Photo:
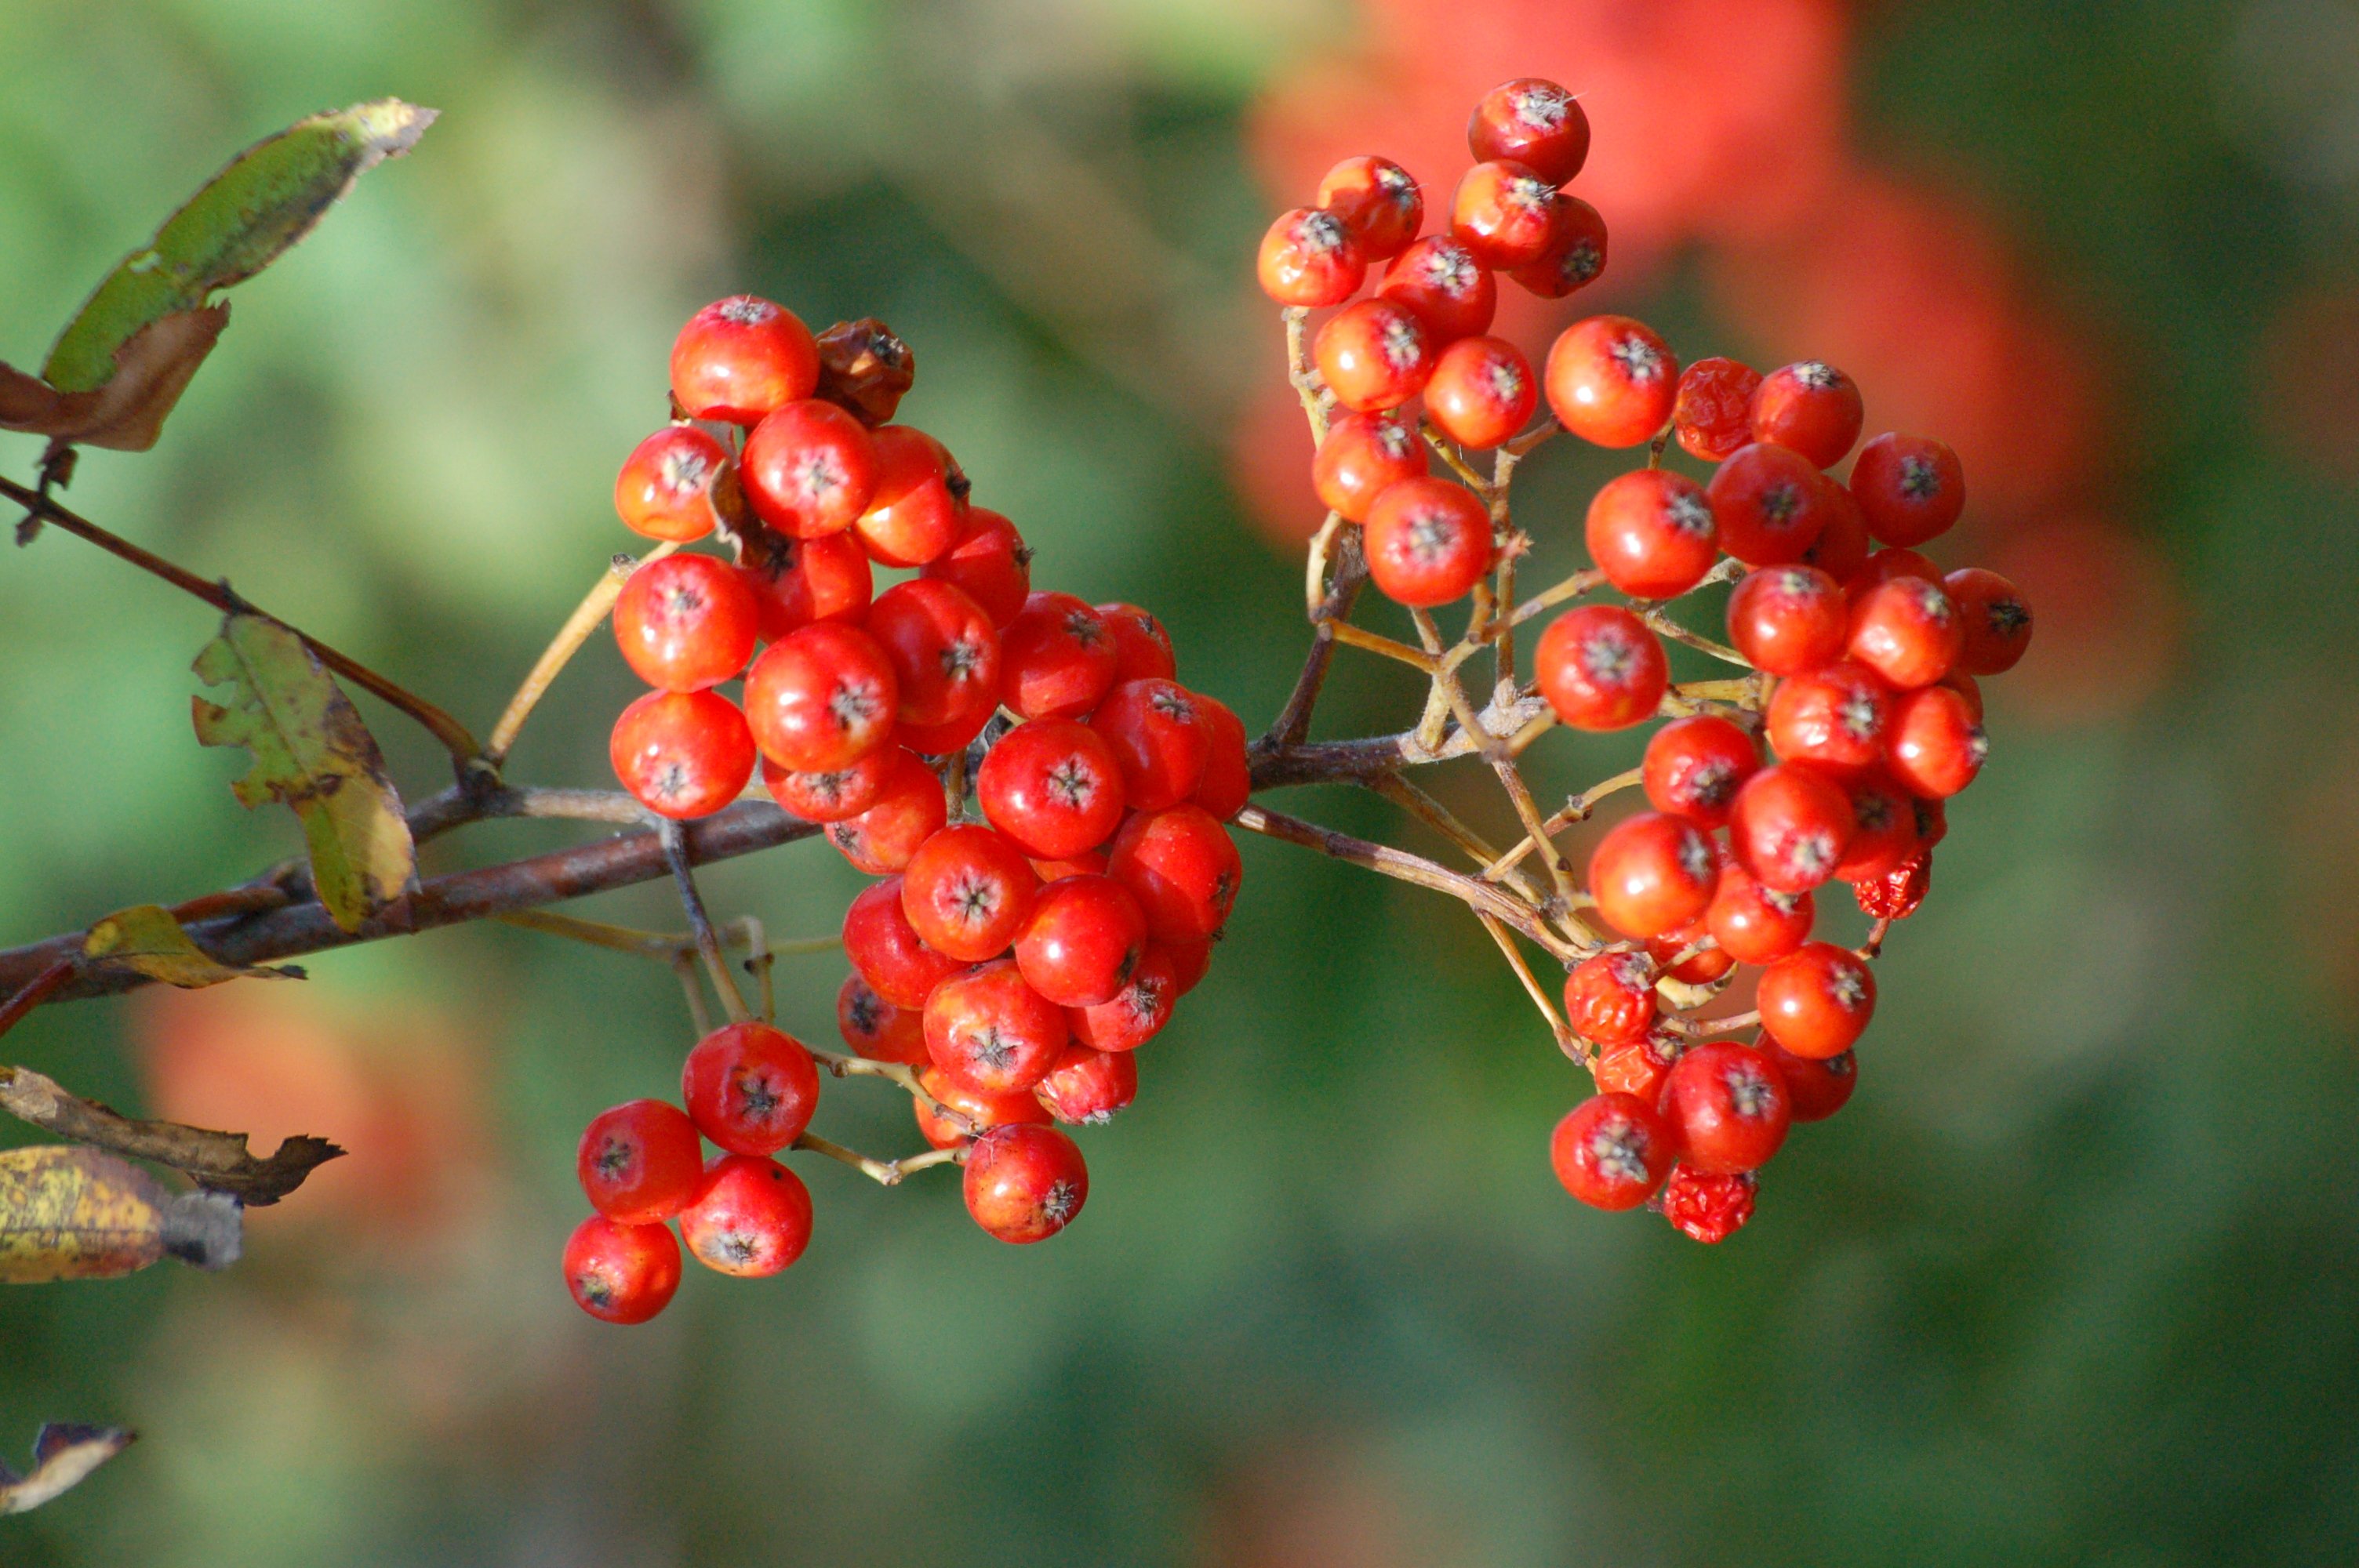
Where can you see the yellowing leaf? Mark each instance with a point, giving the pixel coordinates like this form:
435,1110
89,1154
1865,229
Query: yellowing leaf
77,1214
63,1455
310,751
127,413
218,1161
146,939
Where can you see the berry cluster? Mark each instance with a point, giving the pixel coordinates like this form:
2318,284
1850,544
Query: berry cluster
1864,659
1042,800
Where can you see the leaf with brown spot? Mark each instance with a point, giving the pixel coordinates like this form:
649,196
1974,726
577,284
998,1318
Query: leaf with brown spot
127,413
80,1214
146,940
63,1456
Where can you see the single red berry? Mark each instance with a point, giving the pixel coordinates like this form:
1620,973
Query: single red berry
1934,746
1789,620
665,491
1836,716
1482,391
1137,1012
1190,961
989,562
1505,213
988,1030
967,892
1088,863
1883,827
919,506
1638,1066
1713,416
1056,659
834,795
621,1273
944,740
1911,488
750,1088
887,951
1054,786
1375,355
685,623
1769,502
980,1111
876,1029
1843,544
1709,1209
639,1162
1755,924
821,698
1610,1152
1534,122
1652,873
1025,1184
1181,867
1611,997
1651,533
1087,1085
1907,630
1788,825
1817,1000
1082,940
1600,668
1811,408
1159,738
1310,257
682,753
1727,1107
1144,646
1364,454
751,1217
944,648
1611,381
1377,201
739,358
1887,564
909,809
1694,767
1997,621
1428,541
1451,293
1227,784
809,469
1677,954
799,582
1817,1088
1575,256
1897,894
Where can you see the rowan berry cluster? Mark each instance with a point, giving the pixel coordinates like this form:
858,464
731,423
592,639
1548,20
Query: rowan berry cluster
1863,660
1042,799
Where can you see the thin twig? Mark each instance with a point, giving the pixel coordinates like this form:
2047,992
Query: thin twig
33,992
1568,1042
884,1173
699,923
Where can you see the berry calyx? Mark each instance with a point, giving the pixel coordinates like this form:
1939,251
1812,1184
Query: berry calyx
1727,1106
665,491
1534,121
1610,1152
1426,541
750,1218
1374,354
1181,867
1816,1001
1481,392
1601,668
1310,257
639,1163
739,358
682,755
1088,1086
988,1030
1811,408
821,699
1611,381
968,891
1694,767
1377,201
809,469
1025,1184
1910,488
1053,786
621,1273
1652,873
750,1088
1651,533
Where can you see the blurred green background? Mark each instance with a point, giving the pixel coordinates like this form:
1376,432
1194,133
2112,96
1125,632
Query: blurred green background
2074,1278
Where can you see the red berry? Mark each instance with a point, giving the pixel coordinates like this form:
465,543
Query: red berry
682,753
887,951
1997,621
1082,940
751,1217
1054,786
1910,488
910,810
1769,502
1787,827
1651,533
1817,1000
1377,201
1709,1209
1611,997
1811,408
919,506
1364,454
749,1087
1505,213
1137,1012
1181,867
1227,783
1375,355
984,1111
876,1029
1144,646
739,358
1534,122
1884,827
1439,278
1638,1066
1887,564
821,698
1755,924
1907,630
665,491
1056,659
1025,1184
1934,746
1310,257
1697,967
1713,416
988,1030
1817,1088
1897,894
1482,391
1727,1107
1843,544
1087,1086
797,582
1426,541
1789,620
1695,766
639,1162
1159,740
944,740
1575,256
685,623
1610,1152
944,648
834,794
622,1273
1190,962
989,562
1600,668
1836,716
809,469
1611,381
967,892
1651,873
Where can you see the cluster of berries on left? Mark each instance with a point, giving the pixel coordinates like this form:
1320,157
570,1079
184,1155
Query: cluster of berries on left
1042,799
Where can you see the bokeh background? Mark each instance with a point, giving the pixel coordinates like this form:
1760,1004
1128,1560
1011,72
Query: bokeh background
2076,1277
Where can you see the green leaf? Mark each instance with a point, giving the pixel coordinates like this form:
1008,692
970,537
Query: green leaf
311,751
63,1456
146,940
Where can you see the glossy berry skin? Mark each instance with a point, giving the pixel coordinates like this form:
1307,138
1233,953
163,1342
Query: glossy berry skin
1843,544
639,1162
750,1088
800,582
982,1111
1611,997
1910,488
1158,740
1375,355
685,623
1600,668
665,491
751,1217
988,1030
1755,924
1082,940
944,739
1088,1086
1575,256
1788,827
834,795
1137,1012
809,469
1536,123
1053,786
1652,873
887,951
1191,962
1610,1152
739,358
1377,201
821,698
682,755
874,1028
1426,541
1727,1107
1997,621
967,892
1907,630
1651,533
1769,502
1142,645
1883,827
944,648
989,562
1482,391
1713,416
1364,454
1439,278
1816,1001
1637,1066
909,809
1709,1209
1025,1184
1227,784
1887,564
1611,381
1694,767
1836,716
1934,746
1181,867
1698,969
1789,620
1817,1088
1310,257
1809,407
1056,659
919,506
621,1273
1505,213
